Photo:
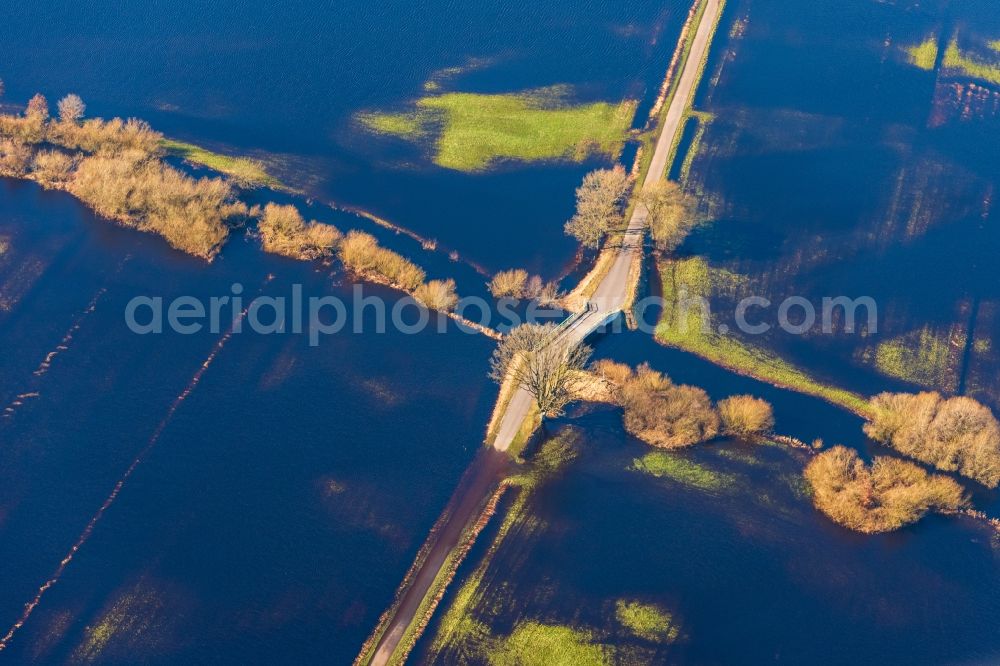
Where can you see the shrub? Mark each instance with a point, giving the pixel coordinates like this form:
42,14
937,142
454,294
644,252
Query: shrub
509,283
656,410
361,253
668,416
149,195
107,137
546,293
283,231
36,115
437,295
890,494
957,434
52,168
15,157
618,373
745,416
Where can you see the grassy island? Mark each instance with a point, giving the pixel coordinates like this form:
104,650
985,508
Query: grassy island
472,131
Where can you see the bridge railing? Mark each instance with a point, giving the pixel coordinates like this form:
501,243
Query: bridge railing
571,320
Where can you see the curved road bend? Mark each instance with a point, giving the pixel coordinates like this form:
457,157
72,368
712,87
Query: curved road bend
467,504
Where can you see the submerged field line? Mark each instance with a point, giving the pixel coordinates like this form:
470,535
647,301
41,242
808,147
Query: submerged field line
63,345
29,607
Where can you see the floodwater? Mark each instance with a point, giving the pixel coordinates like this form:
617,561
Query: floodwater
253,499
834,166
275,507
831,166
288,80
282,490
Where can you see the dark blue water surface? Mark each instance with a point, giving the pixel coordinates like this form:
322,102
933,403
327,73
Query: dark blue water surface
835,167
282,490
288,79
749,571
285,496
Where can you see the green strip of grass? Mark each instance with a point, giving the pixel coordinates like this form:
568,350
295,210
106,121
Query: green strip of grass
471,132
245,171
536,644
688,329
978,69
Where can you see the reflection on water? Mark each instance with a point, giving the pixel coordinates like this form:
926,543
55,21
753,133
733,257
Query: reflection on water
289,81
828,169
291,486
279,501
734,553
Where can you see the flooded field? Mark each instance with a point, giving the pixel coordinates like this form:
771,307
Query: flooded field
837,161
247,498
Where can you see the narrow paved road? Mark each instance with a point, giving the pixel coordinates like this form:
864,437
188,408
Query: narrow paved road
608,299
610,295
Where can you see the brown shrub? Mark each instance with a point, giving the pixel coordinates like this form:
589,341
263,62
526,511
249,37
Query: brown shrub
437,295
890,494
283,231
510,283
957,434
23,129
15,158
149,195
107,137
745,415
361,253
618,373
669,416
52,168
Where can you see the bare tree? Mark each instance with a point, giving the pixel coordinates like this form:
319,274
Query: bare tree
38,108
671,213
71,108
600,203
519,341
546,367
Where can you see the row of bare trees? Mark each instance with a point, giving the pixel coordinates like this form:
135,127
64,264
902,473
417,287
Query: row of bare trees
601,201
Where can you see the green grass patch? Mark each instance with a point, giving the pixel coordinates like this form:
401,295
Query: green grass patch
647,621
471,132
403,125
955,59
686,325
245,171
537,644
924,54
675,467
927,356
702,118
